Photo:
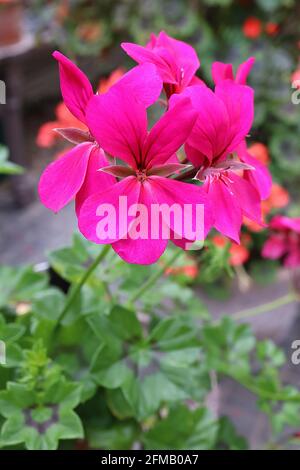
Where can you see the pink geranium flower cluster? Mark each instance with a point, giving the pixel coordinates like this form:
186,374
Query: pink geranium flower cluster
284,241
118,156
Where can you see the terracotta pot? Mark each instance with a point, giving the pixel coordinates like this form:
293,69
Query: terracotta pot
11,22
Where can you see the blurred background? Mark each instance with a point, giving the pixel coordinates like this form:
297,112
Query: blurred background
90,32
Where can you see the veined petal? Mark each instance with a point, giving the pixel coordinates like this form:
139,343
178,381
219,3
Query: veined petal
221,71
63,178
143,82
75,86
184,56
144,55
226,209
239,102
119,124
246,195
211,133
260,178
169,133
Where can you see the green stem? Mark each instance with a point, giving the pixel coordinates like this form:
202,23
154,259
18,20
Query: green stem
76,290
152,280
267,307
274,396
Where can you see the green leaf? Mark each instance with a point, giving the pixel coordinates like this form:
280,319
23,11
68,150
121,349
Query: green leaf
115,437
20,284
7,167
183,429
228,345
228,438
166,367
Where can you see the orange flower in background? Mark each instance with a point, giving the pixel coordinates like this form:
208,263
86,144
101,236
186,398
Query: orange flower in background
62,10
47,137
189,270
272,29
90,31
278,199
220,241
260,152
106,83
252,27
238,254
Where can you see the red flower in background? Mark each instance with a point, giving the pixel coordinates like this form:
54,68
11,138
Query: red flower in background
284,241
252,27
272,29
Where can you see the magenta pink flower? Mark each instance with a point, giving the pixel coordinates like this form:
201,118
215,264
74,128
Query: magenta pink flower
284,241
224,120
259,176
221,71
75,173
175,60
119,122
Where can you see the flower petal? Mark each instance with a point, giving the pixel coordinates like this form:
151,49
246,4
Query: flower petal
239,102
139,250
144,55
247,197
226,210
63,178
143,82
95,181
275,247
119,124
186,197
243,71
211,132
260,177
221,71
107,205
169,133
75,86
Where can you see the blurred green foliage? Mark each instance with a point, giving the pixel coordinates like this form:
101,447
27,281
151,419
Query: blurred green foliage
122,376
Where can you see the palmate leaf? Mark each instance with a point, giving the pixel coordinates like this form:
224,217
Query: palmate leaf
183,429
232,349
147,372
39,425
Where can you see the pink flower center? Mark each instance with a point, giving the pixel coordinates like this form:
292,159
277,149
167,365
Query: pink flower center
141,175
